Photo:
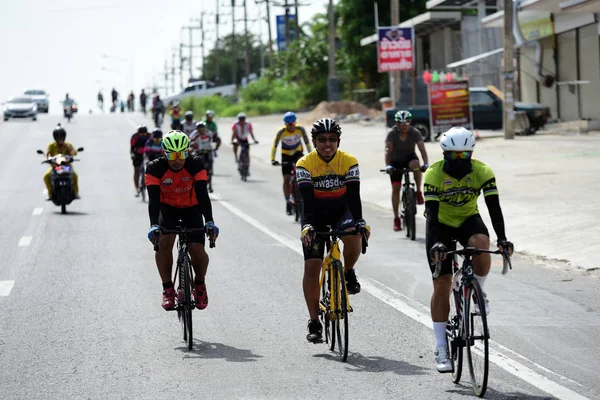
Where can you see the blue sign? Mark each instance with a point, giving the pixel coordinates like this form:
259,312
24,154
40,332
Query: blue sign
281,30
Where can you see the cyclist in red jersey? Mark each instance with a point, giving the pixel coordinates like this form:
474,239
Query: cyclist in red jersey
177,189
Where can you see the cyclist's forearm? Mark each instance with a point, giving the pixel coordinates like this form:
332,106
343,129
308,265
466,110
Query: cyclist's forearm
354,203
153,203
423,151
307,192
432,224
200,187
493,205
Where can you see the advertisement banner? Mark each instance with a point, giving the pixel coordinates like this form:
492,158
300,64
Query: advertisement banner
449,105
281,30
395,49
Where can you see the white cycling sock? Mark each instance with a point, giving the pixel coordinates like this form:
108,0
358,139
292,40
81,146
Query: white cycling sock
439,328
480,280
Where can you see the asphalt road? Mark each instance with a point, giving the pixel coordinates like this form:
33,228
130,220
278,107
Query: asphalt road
80,313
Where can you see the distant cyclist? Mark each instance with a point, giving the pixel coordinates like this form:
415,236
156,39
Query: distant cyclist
291,137
189,125
138,144
240,132
153,148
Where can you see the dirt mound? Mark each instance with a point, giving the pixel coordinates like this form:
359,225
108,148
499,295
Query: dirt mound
338,110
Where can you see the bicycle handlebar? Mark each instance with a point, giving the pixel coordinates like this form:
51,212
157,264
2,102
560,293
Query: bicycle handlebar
472,251
365,243
403,170
179,232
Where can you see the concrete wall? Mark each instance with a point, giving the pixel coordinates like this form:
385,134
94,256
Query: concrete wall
567,71
589,70
526,75
548,95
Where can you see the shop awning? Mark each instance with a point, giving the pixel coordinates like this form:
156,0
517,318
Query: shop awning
474,58
580,6
423,24
496,20
448,4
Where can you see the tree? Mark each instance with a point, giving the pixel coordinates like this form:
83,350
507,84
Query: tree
223,54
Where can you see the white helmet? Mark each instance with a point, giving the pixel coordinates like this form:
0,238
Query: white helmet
241,115
457,138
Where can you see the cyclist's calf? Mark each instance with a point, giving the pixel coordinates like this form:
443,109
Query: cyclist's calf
199,260
352,249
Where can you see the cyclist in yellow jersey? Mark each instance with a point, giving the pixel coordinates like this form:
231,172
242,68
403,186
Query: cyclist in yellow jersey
329,184
290,136
60,146
452,186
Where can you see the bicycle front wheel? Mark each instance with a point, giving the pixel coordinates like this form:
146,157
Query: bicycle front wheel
477,338
454,337
411,214
341,312
187,303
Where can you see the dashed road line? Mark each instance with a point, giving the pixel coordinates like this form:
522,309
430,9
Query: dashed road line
37,211
6,287
25,240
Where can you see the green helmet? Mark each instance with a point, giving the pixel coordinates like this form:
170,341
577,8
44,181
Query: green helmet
175,141
403,116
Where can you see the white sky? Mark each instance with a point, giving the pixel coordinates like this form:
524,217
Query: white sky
58,45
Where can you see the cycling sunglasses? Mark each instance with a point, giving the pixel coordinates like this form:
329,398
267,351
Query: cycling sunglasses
455,155
330,139
176,154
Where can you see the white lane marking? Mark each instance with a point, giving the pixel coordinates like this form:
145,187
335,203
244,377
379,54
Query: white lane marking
37,211
393,298
6,287
45,192
25,240
131,122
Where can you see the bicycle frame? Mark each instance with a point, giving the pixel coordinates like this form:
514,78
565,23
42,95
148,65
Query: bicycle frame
332,263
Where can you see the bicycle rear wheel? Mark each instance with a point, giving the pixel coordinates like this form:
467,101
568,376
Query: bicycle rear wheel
341,311
412,212
453,335
325,320
142,183
187,303
477,338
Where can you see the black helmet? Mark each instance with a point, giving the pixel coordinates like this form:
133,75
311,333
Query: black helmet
142,129
157,134
326,125
59,133
189,115
200,124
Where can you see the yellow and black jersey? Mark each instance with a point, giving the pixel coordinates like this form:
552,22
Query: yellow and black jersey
291,142
329,188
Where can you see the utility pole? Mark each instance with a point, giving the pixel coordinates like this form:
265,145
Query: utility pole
191,49
173,55
509,114
233,55
246,53
287,24
268,20
217,46
297,31
332,82
166,78
181,66
202,45
395,75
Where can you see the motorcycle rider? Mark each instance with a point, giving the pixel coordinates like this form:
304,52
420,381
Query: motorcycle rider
189,125
138,144
67,103
153,147
60,146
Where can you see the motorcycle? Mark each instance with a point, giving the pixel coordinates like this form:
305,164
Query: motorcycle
68,111
61,177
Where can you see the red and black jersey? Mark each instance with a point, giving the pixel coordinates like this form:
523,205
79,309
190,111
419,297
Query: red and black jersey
176,187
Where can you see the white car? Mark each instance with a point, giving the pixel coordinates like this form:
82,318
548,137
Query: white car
20,107
40,97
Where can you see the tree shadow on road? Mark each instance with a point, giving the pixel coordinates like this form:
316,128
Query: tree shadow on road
219,350
465,389
358,363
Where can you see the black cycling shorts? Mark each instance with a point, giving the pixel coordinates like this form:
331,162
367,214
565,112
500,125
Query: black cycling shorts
190,216
137,161
396,176
317,247
287,162
472,226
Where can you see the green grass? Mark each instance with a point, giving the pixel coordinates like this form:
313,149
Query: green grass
262,97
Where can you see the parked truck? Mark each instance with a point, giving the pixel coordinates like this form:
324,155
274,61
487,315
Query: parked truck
202,89
487,110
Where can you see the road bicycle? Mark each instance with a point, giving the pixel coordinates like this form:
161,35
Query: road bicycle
408,197
184,277
335,303
467,322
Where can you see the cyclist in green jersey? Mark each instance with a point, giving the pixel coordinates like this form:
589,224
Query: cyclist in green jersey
210,124
452,186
